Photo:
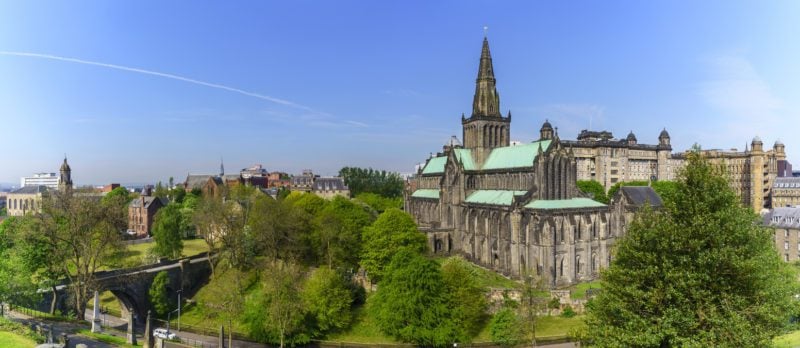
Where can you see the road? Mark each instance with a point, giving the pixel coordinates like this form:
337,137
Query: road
58,329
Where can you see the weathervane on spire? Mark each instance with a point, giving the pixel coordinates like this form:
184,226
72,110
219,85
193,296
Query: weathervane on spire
485,31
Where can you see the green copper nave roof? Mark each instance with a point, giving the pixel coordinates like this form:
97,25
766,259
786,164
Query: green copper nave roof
494,197
435,165
465,157
518,156
426,193
564,204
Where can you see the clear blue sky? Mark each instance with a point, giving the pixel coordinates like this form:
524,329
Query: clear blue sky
376,83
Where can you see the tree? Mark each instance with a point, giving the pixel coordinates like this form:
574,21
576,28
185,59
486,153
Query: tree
380,203
665,189
84,235
411,303
381,182
17,284
337,232
276,313
392,231
158,294
187,209
701,272
117,192
167,232
327,299
466,297
594,188
506,328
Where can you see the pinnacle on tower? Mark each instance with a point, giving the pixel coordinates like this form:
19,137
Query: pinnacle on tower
486,101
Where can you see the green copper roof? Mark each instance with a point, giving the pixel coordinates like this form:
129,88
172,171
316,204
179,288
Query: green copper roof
426,193
564,204
495,197
515,156
465,157
435,165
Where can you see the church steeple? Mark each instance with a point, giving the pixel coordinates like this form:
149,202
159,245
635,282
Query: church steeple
486,128
486,101
65,180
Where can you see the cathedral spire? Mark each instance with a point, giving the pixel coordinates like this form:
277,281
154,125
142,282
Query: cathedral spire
486,101
221,168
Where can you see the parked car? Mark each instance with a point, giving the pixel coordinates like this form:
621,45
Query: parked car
164,334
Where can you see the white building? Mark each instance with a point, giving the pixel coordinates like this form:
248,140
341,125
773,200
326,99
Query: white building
40,179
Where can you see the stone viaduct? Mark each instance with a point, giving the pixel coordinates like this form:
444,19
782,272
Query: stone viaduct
130,286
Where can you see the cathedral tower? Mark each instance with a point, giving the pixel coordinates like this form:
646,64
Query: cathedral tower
486,128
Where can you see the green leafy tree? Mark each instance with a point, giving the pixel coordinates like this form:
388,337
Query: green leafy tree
167,232
393,231
594,188
276,314
381,182
380,203
187,209
158,294
337,233
16,282
328,299
467,298
702,272
117,192
411,303
83,235
506,328
665,189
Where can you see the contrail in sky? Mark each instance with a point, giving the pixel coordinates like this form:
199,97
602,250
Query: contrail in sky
159,74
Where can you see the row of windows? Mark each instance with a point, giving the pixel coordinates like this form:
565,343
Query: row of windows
23,204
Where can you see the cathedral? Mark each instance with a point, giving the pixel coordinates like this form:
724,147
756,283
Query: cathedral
516,209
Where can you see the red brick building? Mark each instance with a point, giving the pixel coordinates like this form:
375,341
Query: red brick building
141,214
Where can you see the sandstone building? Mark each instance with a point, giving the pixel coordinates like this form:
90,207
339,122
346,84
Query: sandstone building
515,209
28,199
607,160
786,192
786,222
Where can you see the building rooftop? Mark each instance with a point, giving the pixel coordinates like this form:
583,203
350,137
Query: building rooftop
787,182
641,195
30,190
783,217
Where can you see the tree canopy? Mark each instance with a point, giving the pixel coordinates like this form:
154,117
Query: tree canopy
381,182
412,303
393,231
702,272
595,189
167,231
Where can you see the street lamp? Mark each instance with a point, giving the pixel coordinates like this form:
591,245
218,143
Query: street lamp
179,310
169,318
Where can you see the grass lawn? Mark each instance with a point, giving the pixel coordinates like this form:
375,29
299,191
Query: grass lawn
579,290
11,340
789,340
114,340
135,254
107,301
